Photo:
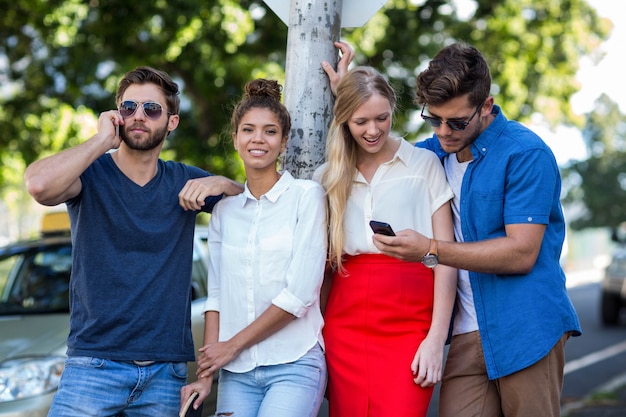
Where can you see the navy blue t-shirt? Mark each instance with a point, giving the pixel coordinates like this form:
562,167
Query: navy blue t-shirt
132,259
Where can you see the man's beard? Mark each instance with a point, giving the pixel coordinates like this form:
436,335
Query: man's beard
154,140
470,136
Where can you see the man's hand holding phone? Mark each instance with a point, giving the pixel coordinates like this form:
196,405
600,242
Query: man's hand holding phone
381,228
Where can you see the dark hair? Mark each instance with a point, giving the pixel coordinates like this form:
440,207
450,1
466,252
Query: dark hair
456,70
262,93
149,75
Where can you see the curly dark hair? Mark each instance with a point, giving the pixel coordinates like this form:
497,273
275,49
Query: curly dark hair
262,93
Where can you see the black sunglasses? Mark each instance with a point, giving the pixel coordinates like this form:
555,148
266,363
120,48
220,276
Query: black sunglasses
151,109
452,124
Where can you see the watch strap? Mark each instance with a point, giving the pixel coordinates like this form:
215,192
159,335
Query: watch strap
433,247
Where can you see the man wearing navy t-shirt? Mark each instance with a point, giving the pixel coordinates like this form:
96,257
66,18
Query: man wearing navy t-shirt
132,222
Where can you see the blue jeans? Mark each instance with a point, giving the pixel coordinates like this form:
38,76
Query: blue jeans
284,390
101,387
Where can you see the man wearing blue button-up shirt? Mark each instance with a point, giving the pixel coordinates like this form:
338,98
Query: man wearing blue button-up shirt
513,313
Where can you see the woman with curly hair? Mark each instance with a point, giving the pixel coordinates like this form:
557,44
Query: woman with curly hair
268,248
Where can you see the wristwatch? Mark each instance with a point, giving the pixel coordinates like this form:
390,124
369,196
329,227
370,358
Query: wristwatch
431,260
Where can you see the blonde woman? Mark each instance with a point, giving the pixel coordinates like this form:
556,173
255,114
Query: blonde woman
386,320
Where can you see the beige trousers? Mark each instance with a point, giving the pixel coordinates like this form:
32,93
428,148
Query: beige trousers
467,392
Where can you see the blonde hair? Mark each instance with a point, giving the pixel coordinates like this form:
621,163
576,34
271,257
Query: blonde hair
355,88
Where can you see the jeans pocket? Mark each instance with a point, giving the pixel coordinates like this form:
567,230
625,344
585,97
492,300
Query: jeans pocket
179,370
84,362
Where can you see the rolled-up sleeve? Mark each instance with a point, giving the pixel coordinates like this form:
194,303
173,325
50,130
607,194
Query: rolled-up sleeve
306,270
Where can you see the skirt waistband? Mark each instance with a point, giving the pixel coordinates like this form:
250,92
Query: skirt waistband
371,258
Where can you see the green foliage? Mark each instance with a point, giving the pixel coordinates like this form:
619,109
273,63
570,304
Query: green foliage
72,53
60,62
533,48
599,182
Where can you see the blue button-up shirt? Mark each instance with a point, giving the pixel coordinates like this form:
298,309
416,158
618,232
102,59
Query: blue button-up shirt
514,179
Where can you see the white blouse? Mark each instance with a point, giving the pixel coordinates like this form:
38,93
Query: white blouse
269,251
404,192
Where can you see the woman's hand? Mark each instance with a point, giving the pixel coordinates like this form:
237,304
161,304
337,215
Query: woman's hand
201,386
427,365
347,55
215,355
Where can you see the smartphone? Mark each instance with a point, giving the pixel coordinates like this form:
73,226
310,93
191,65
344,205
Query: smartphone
381,228
188,410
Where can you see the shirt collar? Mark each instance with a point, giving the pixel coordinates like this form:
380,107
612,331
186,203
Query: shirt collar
485,140
404,152
274,193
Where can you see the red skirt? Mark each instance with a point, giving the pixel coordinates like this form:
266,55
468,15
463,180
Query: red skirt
376,316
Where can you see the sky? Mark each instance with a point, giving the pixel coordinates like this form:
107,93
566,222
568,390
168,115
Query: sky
603,77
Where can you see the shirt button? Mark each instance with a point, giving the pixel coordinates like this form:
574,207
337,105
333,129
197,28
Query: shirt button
530,219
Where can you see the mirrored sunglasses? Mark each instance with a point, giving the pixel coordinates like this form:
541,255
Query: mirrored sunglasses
452,124
151,109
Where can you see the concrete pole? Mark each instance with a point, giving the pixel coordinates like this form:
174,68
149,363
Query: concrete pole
313,27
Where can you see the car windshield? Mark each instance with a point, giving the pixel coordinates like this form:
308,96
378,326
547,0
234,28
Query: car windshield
35,280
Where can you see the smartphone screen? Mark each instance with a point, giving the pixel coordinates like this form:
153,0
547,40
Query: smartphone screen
381,228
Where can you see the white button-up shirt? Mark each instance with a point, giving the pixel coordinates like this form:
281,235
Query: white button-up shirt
404,192
269,251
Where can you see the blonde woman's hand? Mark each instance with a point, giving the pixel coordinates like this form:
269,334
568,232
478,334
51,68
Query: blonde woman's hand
427,365
347,55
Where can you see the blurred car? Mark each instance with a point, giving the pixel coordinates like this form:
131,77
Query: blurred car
34,317
613,297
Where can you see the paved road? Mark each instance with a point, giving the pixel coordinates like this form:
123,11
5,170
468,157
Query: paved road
606,401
